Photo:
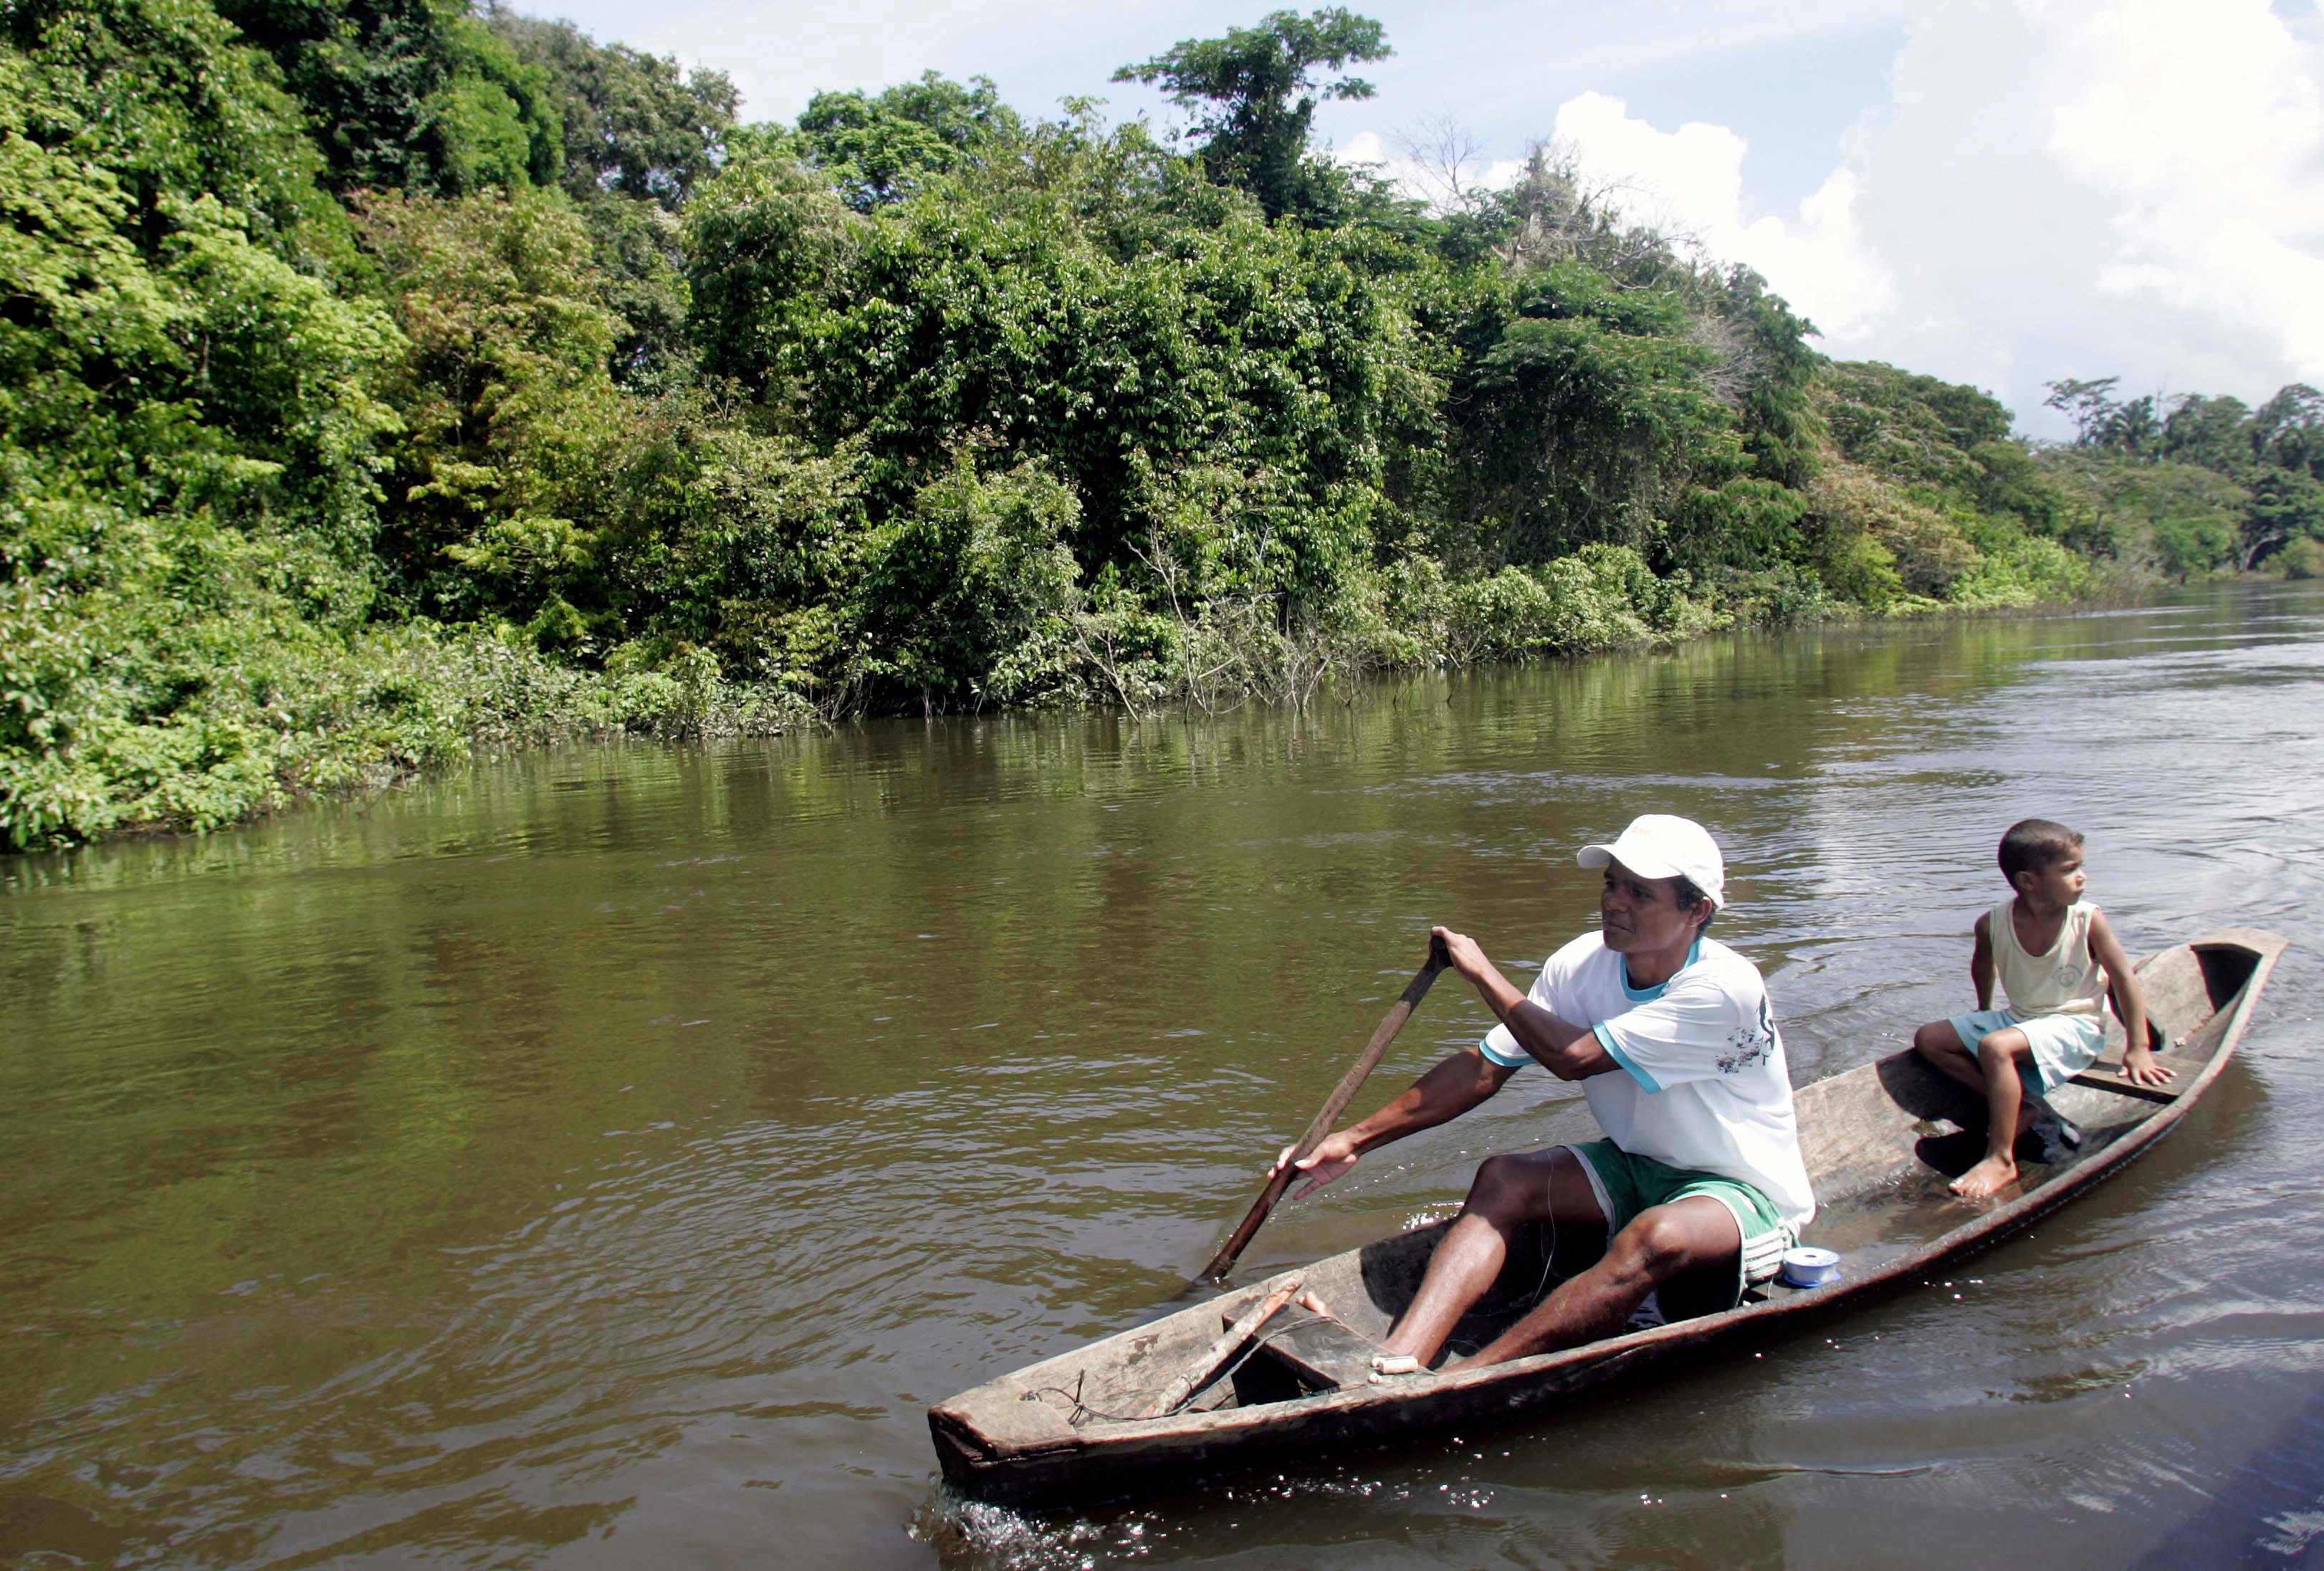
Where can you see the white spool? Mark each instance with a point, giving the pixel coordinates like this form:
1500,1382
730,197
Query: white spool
1810,1267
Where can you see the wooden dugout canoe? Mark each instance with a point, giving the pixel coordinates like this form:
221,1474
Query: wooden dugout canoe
1881,1142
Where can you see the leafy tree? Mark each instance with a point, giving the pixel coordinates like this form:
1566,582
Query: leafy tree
1913,426
972,573
634,125
2208,431
1845,535
638,256
504,481
2286,505
159,94
492,123
1254,94
189,415
876,150
2134,428
409,93
638,135
2186,546
1977,514
754,552
2287,431
167,329
1949,445
1780,427
2090,404
997,317
1585,416
763,242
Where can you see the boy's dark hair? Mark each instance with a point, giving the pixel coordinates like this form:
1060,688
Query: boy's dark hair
2031,844
1690,897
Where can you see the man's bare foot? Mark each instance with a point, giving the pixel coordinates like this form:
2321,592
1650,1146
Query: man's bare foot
1988,1176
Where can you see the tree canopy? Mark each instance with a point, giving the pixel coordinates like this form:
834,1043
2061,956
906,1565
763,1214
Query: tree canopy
1254,93
2262,469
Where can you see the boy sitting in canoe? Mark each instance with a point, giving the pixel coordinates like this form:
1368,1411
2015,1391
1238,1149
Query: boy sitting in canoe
1671,1036
2055,953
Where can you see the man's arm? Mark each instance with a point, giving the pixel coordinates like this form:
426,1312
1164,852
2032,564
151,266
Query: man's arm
2138,1064
1981,962
1446,1091
1568,1051
1461,1082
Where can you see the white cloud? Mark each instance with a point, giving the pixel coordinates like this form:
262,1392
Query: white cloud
2222,202
2099,188
2055,187
1690,181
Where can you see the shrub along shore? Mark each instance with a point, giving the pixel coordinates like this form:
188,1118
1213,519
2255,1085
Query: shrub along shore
378,380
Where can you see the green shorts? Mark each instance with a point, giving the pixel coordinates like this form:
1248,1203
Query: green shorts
1626,1185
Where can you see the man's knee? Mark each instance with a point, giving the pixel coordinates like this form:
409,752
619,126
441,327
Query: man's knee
1655,1243
1505,1189
2003,1046
1663,1240
1936,1040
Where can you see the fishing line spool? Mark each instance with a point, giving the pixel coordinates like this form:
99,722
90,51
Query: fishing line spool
1810,1267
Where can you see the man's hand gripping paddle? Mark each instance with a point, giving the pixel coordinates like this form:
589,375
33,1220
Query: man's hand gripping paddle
1335,1105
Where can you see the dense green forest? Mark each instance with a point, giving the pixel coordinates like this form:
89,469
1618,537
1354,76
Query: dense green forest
377,379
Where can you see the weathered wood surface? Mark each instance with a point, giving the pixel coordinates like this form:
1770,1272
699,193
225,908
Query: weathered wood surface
1878,1142
1200,1372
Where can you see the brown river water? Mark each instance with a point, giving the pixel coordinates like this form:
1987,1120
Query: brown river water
602,1157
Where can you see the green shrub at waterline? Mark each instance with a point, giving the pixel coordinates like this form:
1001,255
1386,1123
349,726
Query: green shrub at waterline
121,718
2302,559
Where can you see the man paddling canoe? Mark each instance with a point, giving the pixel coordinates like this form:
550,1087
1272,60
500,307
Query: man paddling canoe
1672,1038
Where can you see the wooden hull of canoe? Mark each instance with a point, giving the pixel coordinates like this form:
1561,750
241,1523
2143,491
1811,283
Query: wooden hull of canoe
1880,1142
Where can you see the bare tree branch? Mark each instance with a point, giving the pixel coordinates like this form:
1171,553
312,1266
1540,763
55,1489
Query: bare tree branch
1440,152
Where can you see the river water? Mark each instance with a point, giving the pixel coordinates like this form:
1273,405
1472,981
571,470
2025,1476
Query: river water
602,1157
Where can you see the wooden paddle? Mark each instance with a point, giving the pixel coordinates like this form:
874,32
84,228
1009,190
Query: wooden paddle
1333,1106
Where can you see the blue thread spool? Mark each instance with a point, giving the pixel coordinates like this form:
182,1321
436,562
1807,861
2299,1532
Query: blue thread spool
1810,1267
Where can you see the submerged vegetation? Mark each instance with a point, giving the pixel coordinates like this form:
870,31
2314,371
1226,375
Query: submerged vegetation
380,377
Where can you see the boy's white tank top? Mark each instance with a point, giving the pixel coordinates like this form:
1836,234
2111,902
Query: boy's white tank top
2068,980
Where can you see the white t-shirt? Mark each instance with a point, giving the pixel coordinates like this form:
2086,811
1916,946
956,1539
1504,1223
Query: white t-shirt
1703,1085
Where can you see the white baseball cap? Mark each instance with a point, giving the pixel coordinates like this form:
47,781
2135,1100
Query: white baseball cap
1658,845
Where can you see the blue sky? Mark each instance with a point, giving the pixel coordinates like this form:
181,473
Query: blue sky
1794,87
1996,192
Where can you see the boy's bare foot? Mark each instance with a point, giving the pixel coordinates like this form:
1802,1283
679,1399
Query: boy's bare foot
1988,1176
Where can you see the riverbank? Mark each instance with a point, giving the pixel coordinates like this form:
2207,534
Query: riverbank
317,718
